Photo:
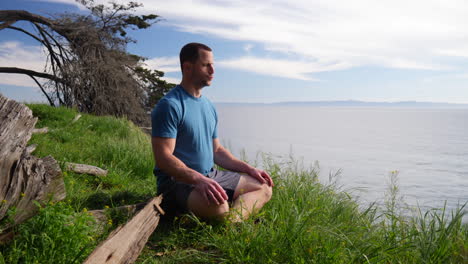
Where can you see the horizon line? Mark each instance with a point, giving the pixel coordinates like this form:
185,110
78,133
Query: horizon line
347,101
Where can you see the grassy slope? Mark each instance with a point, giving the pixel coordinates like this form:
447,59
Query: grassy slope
305,222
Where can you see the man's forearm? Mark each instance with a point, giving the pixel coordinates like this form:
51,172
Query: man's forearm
178,170
223,158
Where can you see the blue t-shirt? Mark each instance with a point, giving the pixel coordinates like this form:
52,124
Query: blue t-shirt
193,123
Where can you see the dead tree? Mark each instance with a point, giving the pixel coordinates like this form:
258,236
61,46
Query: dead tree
23,178
87,65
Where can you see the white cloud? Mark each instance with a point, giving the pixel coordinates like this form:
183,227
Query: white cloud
415,34
172,80
248,47
397,33
454,52
16,54
267,66
446,77
165,64
281,68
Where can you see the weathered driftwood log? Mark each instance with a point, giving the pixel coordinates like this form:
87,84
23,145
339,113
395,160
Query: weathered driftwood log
7,237
85,169
40,130
23,178
31,148
126,242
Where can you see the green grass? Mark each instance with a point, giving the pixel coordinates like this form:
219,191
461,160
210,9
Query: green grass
305,222
113,144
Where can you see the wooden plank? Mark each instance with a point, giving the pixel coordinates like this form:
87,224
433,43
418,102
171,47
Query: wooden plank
125,244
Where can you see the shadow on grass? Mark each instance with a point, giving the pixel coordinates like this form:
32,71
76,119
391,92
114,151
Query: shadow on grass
100,200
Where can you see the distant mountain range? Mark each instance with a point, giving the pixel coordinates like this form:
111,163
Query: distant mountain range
354,103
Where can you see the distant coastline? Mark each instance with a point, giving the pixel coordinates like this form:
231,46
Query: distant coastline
355,103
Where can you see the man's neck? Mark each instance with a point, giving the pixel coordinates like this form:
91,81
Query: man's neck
191,89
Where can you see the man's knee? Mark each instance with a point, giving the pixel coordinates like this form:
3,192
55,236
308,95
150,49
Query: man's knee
197,205
217,211
267,192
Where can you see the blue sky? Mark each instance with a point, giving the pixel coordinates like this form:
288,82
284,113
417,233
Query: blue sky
289,50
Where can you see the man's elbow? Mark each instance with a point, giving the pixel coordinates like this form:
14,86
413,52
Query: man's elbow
160,160
159,157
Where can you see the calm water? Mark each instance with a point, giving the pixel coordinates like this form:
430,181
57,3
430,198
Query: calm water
429,147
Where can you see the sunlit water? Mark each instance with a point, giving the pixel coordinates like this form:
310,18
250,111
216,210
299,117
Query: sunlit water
428,147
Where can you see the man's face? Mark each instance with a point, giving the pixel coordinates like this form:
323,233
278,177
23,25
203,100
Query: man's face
203,69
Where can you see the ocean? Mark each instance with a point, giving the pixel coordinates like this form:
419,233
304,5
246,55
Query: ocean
427,147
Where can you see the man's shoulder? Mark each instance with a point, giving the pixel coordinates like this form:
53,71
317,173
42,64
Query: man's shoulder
168,105
172,98
174,93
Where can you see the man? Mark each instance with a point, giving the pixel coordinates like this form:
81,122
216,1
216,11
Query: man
186,146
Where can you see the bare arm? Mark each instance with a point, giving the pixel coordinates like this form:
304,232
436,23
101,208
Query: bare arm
225,159
163,149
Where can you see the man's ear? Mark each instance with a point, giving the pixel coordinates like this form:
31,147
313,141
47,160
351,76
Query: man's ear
187,66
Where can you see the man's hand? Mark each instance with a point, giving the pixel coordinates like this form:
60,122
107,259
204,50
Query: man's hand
261,176
211,190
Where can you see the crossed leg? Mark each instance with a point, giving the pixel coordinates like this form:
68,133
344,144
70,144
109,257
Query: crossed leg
249,197
196,203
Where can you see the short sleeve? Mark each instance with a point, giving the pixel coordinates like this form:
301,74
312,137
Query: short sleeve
165,119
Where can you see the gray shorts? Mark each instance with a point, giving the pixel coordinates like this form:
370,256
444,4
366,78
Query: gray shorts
177,194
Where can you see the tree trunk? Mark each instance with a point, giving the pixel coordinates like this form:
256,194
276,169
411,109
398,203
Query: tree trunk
23,177
126,242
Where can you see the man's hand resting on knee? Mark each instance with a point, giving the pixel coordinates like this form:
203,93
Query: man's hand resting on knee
211,191
261,176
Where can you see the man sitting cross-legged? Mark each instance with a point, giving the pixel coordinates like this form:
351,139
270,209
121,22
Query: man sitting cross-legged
186,147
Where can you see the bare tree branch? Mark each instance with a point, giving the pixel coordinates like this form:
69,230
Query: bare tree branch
11,16
6,24
43,91
27,33
30,72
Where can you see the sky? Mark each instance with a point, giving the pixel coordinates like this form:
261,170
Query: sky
288,50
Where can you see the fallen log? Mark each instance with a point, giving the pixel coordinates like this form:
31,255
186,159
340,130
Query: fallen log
23,177
31,148
40,130
6,237
85,169
126,242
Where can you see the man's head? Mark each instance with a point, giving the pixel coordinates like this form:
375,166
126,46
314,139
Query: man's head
196,62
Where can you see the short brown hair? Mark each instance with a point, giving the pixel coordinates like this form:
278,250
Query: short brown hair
189,52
